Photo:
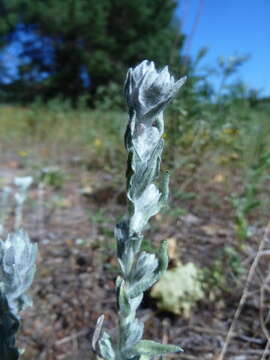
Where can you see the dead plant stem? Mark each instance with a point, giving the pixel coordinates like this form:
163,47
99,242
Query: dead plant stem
244,294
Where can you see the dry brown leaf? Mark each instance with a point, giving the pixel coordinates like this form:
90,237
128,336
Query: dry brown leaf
214,229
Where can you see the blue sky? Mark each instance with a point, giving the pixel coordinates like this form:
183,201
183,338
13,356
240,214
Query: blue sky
229,27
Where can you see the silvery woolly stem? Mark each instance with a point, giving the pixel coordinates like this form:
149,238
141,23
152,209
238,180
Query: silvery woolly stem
147,92
22,184
41,207
18,211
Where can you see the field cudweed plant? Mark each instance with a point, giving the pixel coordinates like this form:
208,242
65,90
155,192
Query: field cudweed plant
17,269
147,92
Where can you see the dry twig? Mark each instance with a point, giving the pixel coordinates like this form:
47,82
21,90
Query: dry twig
245,294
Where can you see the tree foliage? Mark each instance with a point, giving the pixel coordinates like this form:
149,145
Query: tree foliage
76,39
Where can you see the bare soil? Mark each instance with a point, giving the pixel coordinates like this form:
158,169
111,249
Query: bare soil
77,267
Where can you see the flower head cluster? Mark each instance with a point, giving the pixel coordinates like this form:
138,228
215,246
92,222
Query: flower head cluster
23,182
148,91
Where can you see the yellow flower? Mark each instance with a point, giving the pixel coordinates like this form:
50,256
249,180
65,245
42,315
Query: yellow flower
97,143
22,153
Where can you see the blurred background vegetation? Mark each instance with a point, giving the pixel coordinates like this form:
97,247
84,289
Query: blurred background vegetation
75,47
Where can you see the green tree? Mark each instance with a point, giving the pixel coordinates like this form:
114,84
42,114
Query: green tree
100,38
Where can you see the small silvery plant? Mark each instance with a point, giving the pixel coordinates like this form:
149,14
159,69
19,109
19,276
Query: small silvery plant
17,269
22,184
147,92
